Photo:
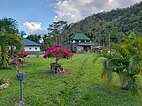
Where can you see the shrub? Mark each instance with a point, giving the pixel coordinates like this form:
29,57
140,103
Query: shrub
126,61
58,52
18,57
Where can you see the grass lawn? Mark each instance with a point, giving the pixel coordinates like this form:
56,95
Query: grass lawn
83,87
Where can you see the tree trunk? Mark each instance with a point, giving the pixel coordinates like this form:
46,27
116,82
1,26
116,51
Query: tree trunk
4,58
55,68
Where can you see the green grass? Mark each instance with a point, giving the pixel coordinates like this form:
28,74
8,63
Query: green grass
84,87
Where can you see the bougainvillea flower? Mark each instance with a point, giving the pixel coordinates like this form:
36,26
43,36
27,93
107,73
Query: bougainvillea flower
58,51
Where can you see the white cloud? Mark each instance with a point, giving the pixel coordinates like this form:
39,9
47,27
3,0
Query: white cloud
34,28
75,10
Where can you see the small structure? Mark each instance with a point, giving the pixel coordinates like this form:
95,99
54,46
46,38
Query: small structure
97,49
30,46
80,42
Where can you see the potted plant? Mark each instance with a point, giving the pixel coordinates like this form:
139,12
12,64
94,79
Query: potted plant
57,52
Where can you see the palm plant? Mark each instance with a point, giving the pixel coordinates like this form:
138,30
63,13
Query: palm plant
126,61
8,38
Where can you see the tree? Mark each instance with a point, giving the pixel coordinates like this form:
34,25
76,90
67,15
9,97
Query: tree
126,61
47,42
66,38
34,37
8,26
55,30
8,39
57,52
22,34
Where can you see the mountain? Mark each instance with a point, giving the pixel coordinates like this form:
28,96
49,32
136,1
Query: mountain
115,23
125,19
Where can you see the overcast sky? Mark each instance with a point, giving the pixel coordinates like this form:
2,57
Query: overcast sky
34,16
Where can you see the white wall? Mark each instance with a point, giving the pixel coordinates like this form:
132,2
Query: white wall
79,48
32,48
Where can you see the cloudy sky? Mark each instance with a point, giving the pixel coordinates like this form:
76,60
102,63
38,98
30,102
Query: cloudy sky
34,16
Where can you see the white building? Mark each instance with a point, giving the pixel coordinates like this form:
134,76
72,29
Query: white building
30,45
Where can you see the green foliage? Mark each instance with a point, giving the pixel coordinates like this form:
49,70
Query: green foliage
47,42
8,38
1,81
55,30
38,54
22,34
8,26
34,37
126,61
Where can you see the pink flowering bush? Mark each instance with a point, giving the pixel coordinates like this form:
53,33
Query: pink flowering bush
17,57
58,52
23,54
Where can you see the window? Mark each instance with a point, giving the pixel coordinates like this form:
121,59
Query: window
35,48
30,48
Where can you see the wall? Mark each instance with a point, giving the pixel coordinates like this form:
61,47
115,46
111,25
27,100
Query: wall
32,48
80,48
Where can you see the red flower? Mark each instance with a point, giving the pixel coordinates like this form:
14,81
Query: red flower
22,54
58,52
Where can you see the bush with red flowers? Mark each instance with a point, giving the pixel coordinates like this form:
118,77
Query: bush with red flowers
57,52
19,58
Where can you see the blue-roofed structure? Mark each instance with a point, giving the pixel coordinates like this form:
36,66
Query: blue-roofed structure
27,42
30,45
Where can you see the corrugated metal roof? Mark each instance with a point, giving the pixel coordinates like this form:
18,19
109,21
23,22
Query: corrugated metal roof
27,42
79,36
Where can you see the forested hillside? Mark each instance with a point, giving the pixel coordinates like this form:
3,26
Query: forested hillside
116,23
125,19
102,28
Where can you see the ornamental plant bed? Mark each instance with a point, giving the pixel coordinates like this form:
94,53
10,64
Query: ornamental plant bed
57,52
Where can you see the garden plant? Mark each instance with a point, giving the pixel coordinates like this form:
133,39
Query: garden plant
19,58
125,60
8,39
57,52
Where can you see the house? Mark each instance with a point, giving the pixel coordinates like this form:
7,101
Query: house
30,45
80,42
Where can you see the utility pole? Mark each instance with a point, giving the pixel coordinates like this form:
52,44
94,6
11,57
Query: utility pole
109,41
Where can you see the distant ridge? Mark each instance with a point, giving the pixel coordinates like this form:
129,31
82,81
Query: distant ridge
125,19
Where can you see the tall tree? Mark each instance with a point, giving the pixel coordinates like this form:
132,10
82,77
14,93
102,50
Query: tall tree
66,39
47,42
34,37
56,29
8,38
22,33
